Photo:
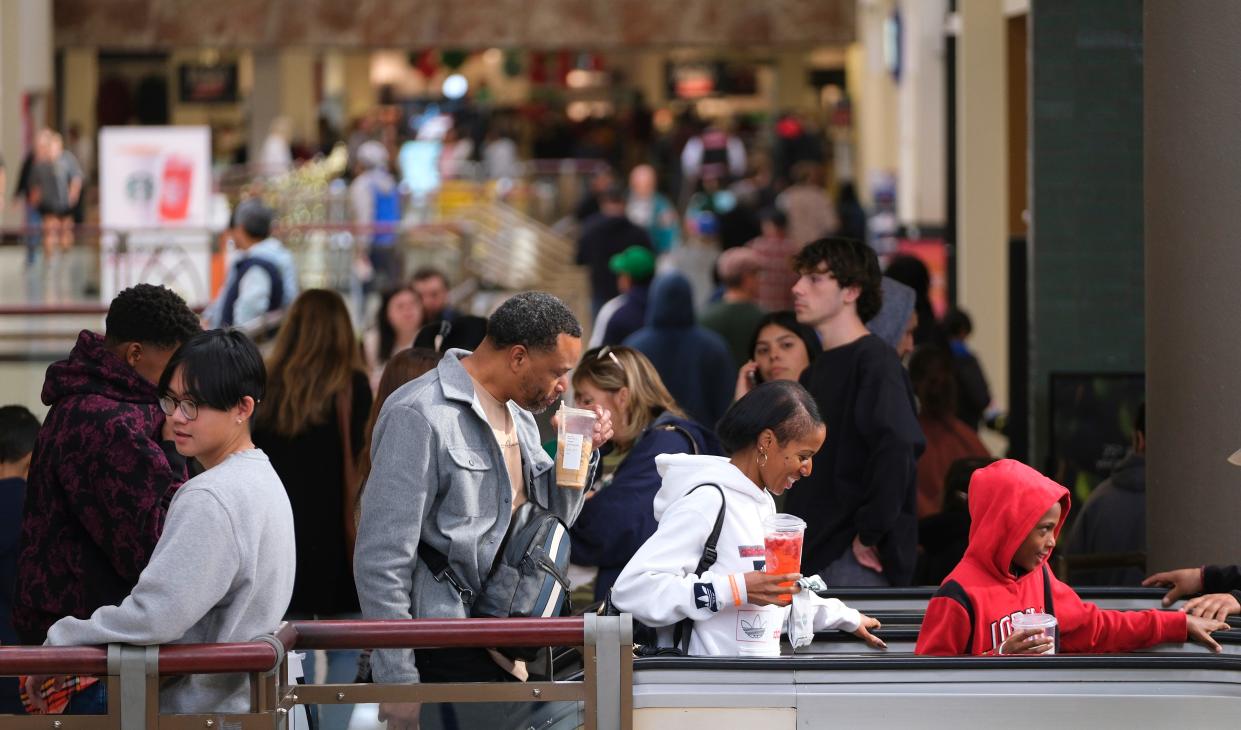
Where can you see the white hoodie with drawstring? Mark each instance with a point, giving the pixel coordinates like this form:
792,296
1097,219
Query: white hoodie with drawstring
658,585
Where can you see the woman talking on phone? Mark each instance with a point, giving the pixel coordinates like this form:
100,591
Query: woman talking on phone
772,435
781,349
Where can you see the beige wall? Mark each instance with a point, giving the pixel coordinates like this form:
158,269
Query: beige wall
298,92
25,69
982,185
360,96
875,99
1193,495
921,129
81,79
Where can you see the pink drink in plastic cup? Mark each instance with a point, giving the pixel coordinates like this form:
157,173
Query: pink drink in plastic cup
782,543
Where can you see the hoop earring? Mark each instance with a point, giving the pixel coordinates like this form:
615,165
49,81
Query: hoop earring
762,459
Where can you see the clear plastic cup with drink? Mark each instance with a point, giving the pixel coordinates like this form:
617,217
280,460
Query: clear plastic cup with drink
1043,621
783,536
574,444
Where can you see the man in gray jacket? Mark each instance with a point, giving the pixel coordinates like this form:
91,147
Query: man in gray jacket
454,453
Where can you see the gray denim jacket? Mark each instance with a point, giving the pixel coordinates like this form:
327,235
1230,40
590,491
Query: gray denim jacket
438,475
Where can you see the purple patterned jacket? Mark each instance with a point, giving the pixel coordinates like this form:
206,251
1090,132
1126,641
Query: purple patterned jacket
99,487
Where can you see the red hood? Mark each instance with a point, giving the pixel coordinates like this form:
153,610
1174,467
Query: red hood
1006,501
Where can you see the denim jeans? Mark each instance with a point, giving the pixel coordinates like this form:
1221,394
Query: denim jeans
91,701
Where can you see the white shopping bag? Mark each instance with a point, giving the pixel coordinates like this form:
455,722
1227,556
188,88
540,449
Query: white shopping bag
801,614
298,719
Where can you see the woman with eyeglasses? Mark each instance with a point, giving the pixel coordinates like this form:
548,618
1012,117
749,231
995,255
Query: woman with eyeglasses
312,425
616,520
222,570
771,436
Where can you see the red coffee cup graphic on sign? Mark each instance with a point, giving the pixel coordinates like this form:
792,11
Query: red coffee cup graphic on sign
174,189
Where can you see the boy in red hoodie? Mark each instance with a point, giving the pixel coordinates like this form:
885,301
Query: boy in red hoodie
1016,515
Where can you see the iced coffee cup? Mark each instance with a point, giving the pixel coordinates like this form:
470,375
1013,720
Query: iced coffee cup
1044,621
782,541
574,443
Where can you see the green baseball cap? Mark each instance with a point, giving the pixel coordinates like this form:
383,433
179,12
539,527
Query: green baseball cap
635,261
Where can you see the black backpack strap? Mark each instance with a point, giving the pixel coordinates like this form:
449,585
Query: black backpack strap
693,445
275,296
1049,603
441,571
685,628
953,591
709,554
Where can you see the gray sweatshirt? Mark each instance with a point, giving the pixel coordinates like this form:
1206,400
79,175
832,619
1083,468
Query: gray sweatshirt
222,571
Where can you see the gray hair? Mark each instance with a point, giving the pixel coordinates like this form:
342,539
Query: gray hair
533,319
254,218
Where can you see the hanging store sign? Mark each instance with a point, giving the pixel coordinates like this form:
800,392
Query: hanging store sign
154,199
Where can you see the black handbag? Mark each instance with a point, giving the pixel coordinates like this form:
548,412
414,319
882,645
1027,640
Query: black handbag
644,637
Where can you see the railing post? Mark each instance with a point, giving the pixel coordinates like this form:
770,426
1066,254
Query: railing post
610,640
138,669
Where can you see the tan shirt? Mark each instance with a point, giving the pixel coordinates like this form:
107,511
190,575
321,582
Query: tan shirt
505,431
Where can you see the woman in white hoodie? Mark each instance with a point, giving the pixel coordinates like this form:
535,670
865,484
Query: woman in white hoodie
772,435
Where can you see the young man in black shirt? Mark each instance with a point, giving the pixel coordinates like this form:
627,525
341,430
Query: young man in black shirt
860,502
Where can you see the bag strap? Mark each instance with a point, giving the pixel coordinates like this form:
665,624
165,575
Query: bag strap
1049,603
441,571
685,628
275,296
693,445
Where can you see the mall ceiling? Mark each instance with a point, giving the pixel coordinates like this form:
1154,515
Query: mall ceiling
138,25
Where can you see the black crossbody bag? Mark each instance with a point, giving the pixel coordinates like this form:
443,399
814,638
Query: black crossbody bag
529,578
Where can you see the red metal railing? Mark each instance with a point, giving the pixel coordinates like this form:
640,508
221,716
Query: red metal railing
439,633
15,660
602,690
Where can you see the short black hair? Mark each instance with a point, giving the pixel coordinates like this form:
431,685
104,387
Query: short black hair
430,272
613,194
786,319
957,323
534,319
254,218
18,428
152,315
773,215
851,263
219,368
782,406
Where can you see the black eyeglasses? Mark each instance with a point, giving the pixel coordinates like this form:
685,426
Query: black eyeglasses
169,406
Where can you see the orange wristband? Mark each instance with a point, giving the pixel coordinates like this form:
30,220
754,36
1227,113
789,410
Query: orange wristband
732,581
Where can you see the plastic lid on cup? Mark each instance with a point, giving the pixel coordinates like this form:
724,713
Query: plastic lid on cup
1034,621
781,522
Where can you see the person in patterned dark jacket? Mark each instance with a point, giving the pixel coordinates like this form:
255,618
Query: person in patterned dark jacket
102,472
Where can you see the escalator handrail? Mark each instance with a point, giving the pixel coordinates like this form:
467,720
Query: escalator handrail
905,662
